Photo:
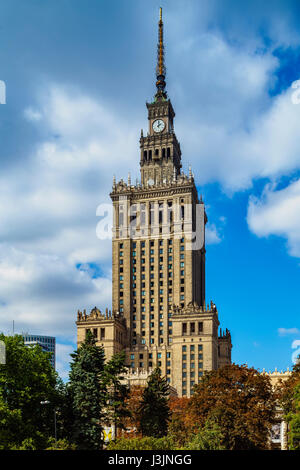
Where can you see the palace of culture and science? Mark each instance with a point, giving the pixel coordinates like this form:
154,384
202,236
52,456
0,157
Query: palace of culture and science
159,312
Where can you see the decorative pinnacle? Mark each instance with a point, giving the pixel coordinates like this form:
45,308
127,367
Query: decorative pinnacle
160,68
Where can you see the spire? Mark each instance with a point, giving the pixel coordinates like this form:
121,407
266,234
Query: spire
160,68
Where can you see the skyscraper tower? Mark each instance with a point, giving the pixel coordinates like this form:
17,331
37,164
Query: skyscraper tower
158,261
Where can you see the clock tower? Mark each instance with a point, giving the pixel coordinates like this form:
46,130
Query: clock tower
160,150
159,313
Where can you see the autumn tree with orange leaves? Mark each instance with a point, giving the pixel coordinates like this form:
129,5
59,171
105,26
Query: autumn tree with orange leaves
240,401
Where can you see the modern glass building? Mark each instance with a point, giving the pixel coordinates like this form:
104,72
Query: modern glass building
47,344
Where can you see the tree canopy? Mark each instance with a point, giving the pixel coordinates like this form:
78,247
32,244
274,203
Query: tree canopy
240,401
154,408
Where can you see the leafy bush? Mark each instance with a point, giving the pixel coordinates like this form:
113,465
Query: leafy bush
143,443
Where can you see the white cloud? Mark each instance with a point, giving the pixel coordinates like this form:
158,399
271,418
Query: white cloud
32,114
211,234
277,213
288,331
48,214
232,130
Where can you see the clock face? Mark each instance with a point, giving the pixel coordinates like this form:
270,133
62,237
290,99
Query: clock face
158,125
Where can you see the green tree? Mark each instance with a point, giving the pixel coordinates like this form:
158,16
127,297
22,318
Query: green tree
240,401
88,394
293,419
154,409
288,393
116,391
208,438
26,379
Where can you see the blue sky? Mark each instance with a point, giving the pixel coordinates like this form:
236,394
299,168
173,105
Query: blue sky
77,76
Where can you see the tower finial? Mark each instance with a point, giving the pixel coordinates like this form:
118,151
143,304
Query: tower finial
160,68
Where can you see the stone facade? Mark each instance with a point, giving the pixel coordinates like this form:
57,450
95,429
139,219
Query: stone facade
279,435
160,316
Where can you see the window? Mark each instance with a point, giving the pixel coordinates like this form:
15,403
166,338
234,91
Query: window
102,333
192,327
170,213
151,218
143,214
200,327
184,329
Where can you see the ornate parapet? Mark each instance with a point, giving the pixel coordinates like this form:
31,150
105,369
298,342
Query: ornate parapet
121,187
193,308
224,335
277,376
97,315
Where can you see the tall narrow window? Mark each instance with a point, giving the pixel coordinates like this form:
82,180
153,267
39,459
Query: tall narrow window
152,213
170,212
133,214
143,214
160,212
121,215
182,212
